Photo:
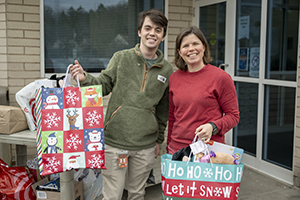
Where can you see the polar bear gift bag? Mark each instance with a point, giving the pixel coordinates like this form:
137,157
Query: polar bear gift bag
70,132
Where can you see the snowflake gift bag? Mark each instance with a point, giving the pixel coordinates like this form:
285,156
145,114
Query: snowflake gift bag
196,180
70,132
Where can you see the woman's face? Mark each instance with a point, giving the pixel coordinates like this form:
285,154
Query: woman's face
192,51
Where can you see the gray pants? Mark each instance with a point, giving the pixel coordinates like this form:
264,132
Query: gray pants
134,175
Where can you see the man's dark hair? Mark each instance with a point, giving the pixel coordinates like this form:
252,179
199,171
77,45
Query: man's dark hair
156,16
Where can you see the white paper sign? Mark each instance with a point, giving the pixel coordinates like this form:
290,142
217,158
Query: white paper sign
244,24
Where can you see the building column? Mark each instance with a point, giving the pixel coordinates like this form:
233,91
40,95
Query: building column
296,160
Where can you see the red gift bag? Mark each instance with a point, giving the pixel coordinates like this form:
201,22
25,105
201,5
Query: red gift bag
70,132
15,183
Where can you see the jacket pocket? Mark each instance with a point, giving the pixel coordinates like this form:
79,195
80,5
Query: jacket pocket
132,124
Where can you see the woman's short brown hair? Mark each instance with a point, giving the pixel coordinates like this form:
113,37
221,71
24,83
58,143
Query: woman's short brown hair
179,62
156,16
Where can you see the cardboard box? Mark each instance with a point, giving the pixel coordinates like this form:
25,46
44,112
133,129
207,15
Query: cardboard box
53,195
40,182
12,119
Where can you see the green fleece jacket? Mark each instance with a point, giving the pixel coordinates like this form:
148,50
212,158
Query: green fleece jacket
137,111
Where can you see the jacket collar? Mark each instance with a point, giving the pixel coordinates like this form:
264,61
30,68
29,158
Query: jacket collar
160,60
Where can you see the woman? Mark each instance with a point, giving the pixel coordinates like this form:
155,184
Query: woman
202,97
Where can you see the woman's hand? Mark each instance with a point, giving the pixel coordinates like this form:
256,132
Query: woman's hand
204,132
75,70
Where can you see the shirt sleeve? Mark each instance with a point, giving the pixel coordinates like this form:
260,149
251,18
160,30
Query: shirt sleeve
228,102
106,78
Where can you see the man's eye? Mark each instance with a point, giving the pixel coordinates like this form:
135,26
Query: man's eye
147,28
158,30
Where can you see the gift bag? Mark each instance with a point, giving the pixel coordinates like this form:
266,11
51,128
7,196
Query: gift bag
15,183
33,168
70,132
92,182
26,100
195,180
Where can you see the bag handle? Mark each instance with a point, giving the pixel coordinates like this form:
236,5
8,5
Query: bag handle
67,74
206,149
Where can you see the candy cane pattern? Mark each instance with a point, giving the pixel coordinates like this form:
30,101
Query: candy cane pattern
39,128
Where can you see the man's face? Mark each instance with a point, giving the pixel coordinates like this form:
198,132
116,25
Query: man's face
151,34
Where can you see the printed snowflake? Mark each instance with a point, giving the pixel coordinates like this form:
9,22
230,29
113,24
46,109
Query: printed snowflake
52,120
208,172
52,164
93,118
72,97
96,161
218,191
74,141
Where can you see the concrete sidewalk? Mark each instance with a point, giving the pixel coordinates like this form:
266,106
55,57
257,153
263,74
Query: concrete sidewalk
258,186
254,186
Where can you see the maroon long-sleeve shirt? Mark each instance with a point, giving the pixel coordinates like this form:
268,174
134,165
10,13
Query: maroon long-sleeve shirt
196,98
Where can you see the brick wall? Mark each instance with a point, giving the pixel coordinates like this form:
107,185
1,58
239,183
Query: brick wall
179,16
3,45
22,50
296,168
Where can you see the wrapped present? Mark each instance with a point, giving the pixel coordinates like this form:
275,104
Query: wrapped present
12,119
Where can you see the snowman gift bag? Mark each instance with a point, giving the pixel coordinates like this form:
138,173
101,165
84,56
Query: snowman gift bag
70,132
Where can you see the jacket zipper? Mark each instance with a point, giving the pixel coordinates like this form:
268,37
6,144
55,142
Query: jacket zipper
146,70
144,77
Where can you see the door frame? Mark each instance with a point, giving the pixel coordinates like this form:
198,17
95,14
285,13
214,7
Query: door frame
256,162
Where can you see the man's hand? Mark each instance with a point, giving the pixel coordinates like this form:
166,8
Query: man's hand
75,70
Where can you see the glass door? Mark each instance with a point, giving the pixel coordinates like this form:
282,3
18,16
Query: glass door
265,78
215,18
253,42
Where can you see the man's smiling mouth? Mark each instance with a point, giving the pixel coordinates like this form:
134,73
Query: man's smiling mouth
151,39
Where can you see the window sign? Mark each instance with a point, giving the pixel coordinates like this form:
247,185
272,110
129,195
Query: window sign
244,23
243,59
254,61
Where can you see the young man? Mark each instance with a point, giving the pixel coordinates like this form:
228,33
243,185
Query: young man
137,111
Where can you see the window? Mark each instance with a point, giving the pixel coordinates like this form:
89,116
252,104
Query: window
282,43
212,23
248,38
279,125
245,135
90,31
